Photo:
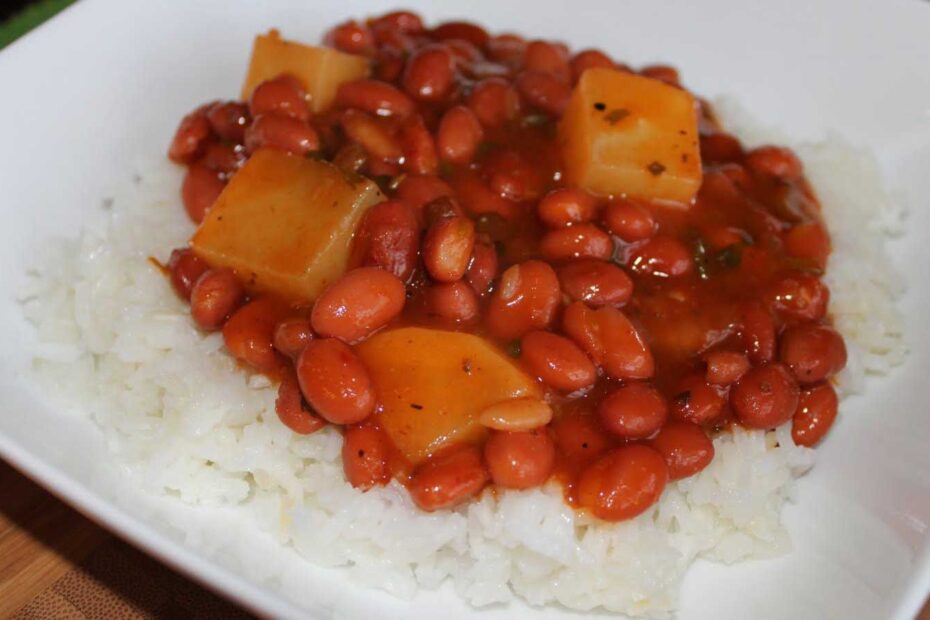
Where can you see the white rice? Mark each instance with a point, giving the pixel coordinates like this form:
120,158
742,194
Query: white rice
182,420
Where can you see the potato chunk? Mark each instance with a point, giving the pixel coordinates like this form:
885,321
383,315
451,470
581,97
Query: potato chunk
285,224
433,384
624,134
320,69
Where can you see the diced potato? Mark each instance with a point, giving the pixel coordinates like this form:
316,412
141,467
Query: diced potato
624,134
320,69
433,384
285,223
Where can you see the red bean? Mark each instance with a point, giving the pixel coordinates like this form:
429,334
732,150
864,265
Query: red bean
809,241
365,457
494,101
799,297
420,155
596,283
507,48
543,91
291,336
686,449
459,135
350,157
526,298
633,411
578,241
249,334
335,382
375,97
720,238
283,95
283,133
765,397
417,191
447,248
215,296
293,411
661,72
464,53
589,59
623,483
812,352
388,237
190,137
546,58
430,73
373,137
402,21
483,267
466,31
185,268
725,367
441,209
696,401
453,301
720,147
520,460
388,64
448,479
816,412
580,437
629,220
395,41
774,161
512,176
757,333
611,340
557,361
361,302
478,198
200,189
351,37
229,120
662,257
566,206
223,158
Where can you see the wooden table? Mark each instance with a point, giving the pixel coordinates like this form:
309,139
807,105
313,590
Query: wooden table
54,563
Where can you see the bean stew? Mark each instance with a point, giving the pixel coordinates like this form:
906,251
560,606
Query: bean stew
493,261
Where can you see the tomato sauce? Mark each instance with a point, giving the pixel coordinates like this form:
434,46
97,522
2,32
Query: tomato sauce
482,234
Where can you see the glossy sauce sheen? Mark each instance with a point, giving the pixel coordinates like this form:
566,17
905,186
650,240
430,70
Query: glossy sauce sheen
462,137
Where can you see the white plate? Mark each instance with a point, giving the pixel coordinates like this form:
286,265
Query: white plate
105,83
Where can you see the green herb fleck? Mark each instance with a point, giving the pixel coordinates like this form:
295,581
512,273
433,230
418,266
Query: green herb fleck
600,106
731,256
485,147
514,348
